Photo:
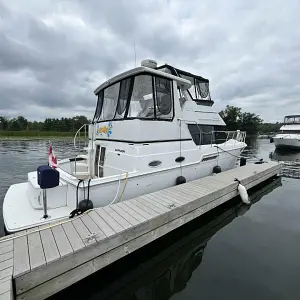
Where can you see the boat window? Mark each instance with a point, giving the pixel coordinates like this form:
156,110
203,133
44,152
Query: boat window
142,102
195,133
141,96
207,134
202,89
123,97
202,134
292,119
99,106
163,97
110,101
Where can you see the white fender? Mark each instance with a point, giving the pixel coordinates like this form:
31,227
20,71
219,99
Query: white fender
243,193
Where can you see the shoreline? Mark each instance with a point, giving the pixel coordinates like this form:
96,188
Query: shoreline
34,138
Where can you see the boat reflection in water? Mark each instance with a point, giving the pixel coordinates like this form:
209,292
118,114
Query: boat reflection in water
290,160
163,268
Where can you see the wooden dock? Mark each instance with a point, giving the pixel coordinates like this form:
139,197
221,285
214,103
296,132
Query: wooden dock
40,262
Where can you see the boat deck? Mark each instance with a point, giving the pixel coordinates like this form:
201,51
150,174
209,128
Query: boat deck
42,261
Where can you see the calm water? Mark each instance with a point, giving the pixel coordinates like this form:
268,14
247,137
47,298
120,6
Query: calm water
233,252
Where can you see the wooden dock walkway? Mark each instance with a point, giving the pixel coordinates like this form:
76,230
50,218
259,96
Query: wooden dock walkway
42,261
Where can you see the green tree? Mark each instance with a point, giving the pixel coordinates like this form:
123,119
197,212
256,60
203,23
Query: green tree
236,119
232,117
250,122
3,123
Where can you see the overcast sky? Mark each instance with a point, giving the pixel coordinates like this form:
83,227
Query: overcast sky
53,54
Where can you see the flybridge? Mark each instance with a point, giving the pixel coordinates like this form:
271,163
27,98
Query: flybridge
292,119
199,91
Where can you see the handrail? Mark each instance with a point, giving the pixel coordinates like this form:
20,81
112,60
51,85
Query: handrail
78,133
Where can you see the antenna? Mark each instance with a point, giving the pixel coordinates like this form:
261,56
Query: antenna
134,54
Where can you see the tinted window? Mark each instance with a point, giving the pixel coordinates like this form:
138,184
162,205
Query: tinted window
207,134
195,132
123,97
163,96
99,106
202,134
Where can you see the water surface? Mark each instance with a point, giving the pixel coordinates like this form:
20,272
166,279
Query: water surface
233,252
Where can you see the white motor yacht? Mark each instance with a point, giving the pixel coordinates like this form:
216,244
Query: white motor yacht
289,137
153,127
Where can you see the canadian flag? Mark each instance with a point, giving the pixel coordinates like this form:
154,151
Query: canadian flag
52,158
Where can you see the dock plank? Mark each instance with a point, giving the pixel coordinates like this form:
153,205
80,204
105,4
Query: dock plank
5,286
50,248
109,220
21,256
6,273
154,201
5,243
6,249
118,218
170,195
35,250
6,264
147,202
61,240
92,227
131,212
83,232
184,197
133,221
6,296
141,211
73,236
167,200
141,205
106,229
6,256
178,195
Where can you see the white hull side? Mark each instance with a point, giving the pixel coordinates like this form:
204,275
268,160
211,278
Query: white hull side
290,141
103,194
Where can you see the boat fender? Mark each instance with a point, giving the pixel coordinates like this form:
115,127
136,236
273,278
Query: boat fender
217,169
85,205
243,161
243,192
180,180
261,161
271,140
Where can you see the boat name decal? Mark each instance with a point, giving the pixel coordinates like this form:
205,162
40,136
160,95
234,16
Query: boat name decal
104,130
120,150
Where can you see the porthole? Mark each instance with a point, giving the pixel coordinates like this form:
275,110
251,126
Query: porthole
154,163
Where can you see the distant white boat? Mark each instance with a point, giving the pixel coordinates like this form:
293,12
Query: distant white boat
154,127
289,137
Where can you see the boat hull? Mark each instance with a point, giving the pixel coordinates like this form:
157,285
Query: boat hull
287,143
17,217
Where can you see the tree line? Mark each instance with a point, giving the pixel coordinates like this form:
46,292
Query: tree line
232,116
50,124
245,121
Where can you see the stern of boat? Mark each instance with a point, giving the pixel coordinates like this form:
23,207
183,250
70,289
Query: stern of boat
23,205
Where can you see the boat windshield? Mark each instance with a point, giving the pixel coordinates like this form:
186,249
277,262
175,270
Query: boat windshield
138,97
200,86
292,119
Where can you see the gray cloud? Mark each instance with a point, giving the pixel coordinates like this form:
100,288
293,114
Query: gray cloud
53,54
